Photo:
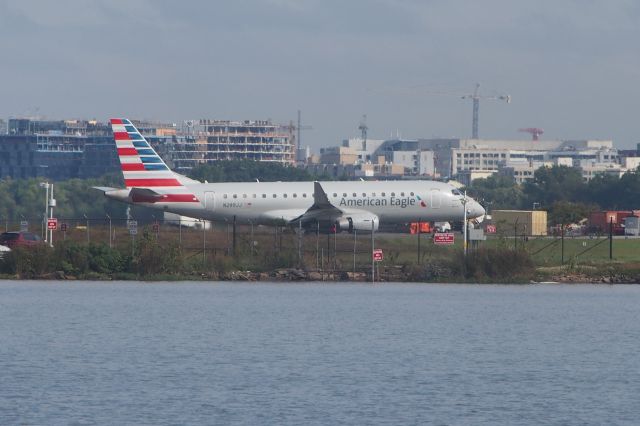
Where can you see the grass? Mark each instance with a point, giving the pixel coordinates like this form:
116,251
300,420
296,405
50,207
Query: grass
399,249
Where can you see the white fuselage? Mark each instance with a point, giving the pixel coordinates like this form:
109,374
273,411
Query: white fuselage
277,202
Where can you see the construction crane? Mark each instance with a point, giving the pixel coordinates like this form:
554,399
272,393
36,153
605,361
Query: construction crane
475,97
534,131
363,129
291,128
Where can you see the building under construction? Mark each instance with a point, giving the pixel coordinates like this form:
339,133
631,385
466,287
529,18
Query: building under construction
207,141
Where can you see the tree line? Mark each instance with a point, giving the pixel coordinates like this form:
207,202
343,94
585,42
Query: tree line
24,199
561,191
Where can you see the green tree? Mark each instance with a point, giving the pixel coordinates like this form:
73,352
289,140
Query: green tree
604,190
498,192
557,183
613,192
25,198
247,171
566,212
630,190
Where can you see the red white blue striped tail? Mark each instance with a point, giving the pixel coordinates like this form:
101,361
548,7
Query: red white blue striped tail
142,167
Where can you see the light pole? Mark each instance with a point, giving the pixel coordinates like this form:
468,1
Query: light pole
49,204
52,204
464,224
373,247
45,232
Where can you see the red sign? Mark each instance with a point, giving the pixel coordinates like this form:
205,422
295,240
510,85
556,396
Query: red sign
444,238
490,229
52,223
377,255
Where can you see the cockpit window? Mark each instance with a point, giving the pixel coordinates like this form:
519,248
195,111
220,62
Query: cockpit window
456,192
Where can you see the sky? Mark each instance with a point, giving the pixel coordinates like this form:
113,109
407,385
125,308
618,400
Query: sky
571,67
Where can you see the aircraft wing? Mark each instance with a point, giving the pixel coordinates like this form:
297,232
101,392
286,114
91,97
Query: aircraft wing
322,209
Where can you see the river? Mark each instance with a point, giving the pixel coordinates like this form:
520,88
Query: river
318,353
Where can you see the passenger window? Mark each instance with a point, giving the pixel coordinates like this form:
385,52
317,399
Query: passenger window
412,194
364,194
235,195
344,194
275,196
355,195
402,194
244,195
284,195
393,194
224,196
295,195
253,195
264,195
384,194
335,195
373,194
304,195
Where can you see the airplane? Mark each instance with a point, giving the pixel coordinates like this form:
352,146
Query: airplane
325,207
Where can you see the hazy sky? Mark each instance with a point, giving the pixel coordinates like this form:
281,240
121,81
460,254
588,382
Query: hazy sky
572,67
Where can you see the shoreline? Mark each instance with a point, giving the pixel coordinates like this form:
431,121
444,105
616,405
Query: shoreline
395,275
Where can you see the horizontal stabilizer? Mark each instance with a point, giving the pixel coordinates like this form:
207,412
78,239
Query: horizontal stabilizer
104,188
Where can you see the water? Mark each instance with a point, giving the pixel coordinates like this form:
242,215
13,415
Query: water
211,353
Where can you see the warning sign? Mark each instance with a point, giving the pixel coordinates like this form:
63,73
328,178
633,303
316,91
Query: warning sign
378,256
443,238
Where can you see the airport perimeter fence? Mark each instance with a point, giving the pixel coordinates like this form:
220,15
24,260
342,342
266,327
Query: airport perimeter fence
285,247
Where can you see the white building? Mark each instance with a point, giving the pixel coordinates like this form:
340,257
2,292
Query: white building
363,149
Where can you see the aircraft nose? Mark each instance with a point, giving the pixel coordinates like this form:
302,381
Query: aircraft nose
474,209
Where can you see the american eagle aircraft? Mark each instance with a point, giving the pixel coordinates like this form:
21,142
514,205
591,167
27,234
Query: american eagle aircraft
323,206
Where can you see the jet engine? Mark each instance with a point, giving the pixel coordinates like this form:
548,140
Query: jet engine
358,222
345,223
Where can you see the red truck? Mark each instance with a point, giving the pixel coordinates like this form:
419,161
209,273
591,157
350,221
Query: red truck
19,239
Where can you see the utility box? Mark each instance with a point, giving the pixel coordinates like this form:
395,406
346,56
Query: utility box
632,226
521,222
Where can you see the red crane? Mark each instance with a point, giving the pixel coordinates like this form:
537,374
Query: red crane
535,132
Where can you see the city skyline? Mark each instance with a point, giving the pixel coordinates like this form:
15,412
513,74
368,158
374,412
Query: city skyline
570,67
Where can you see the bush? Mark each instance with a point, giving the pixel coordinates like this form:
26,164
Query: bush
153,258
27,262
494,265
77,259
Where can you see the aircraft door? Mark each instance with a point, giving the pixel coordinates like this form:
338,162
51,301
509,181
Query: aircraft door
436,199
209,200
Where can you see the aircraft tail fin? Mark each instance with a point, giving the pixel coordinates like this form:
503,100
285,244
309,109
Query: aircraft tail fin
146,176
141,166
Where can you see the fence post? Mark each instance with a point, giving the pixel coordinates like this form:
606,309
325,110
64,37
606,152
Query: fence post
355,240
611,238
419,234
562,244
